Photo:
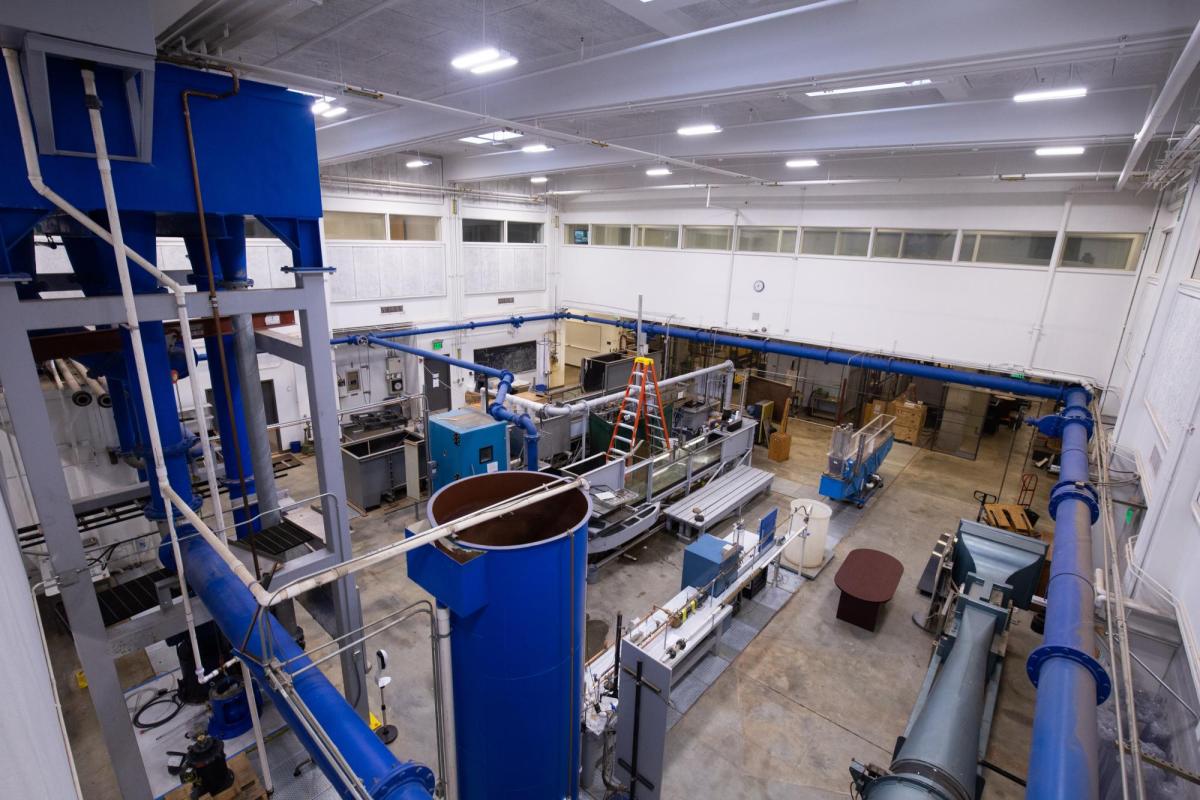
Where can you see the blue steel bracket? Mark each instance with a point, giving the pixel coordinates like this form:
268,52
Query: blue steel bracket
1052,424
1039,657
1085,492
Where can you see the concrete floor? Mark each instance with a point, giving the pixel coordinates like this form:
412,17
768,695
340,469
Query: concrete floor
784,721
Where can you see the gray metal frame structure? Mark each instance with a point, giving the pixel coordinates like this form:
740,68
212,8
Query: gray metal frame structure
96,646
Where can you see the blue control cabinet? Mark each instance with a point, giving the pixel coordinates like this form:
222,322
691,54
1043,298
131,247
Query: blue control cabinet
466,442
708,559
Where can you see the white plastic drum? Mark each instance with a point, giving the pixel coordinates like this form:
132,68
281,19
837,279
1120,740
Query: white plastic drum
808,552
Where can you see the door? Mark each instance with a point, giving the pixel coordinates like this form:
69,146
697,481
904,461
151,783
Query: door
437,385
962,422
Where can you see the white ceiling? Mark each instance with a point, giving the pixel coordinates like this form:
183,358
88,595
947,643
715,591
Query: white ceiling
607,82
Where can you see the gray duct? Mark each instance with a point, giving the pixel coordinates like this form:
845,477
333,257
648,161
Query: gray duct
256,418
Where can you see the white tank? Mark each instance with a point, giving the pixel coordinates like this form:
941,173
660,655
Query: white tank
808,552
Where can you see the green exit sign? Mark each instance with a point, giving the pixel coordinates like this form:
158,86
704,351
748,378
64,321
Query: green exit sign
437,344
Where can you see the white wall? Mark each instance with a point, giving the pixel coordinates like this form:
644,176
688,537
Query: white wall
971,314
1160,412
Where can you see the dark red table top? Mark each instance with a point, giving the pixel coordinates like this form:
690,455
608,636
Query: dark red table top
869,575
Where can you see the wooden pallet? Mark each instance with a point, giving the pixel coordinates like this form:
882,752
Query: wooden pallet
245,784
1009,517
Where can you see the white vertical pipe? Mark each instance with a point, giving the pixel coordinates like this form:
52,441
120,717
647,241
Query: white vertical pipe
248,685
1060,243
53,370
449,735
104,166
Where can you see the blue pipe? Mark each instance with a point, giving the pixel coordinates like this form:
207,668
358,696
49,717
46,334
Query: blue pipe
496,408
1063,760
830,356
234,610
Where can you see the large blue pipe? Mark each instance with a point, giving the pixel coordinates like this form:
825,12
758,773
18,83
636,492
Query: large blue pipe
496,408
828,355
1071,683
233,608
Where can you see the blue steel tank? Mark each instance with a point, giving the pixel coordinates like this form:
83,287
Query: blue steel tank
515,590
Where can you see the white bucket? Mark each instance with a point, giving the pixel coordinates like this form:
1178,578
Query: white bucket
808,552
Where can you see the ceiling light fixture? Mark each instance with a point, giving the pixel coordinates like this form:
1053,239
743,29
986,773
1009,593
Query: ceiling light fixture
321,106
803,162
699,130
474,140
495,66
417,163
539,179
492,137
337,111
1050,94
536,148
475,58
655,172
877,87
1069,150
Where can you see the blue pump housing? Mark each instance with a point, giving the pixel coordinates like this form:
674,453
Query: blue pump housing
515,589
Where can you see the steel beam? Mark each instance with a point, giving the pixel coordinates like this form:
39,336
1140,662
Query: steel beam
322,402
39,455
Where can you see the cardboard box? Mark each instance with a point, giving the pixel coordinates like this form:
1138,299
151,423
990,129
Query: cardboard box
780,447
873,409
910,419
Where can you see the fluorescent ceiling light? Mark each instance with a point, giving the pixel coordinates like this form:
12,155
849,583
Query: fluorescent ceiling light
321,106
494,66
1051,94
418,162
699,130
536,148
802,162
655,172
334,112
491,137
877,87
539,179
475,58
1070,150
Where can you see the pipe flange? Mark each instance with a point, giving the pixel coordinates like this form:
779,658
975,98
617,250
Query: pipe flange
1079,490
407,774
1052,425
1047,652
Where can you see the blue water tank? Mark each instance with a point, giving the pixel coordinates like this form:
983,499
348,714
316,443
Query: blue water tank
515,590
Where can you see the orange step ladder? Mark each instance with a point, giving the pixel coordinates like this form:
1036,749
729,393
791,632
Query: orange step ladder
642,400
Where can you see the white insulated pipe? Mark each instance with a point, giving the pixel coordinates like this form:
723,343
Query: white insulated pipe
78,396
52,368
582,406
449,733
93,385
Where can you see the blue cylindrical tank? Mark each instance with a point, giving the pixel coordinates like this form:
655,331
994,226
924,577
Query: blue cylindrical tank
518,654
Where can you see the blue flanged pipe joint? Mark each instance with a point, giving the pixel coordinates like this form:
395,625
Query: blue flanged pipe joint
1071,682
498,411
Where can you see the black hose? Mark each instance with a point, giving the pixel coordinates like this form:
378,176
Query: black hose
1003,772
165,696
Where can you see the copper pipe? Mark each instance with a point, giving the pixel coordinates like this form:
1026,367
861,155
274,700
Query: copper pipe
213,300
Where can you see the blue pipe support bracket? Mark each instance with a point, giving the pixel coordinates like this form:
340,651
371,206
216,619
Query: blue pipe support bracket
1063,762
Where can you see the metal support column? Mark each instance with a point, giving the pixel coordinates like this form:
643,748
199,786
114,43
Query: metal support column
322,404
35,437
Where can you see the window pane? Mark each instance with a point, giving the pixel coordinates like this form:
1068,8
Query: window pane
819,241
1165,252
482,230
353,225
612,235
707,237
787,241
525,232
1009,248
754,239
853,243
576,233
652,236
887,244
928,245
410,228
1112,251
